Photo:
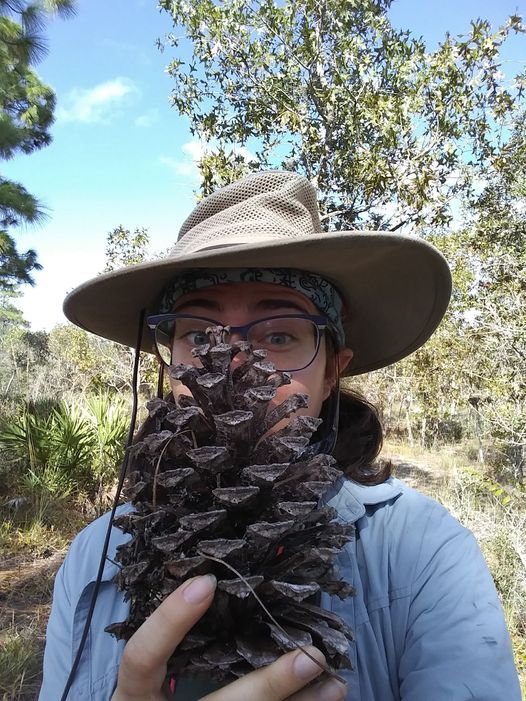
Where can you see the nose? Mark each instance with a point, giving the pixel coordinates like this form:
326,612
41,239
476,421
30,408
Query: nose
238,360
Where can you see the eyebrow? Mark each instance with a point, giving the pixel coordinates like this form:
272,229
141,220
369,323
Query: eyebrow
264,304
281,304
204,303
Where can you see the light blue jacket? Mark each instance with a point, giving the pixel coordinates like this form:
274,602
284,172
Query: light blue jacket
428,622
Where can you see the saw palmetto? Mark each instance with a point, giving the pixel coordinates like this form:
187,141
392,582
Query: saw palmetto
217,489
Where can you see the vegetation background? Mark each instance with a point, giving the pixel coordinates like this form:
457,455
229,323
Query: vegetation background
397,138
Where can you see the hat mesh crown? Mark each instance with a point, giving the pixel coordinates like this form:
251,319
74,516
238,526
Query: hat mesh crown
261,207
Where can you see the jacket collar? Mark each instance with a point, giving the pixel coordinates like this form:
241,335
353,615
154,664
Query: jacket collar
350,498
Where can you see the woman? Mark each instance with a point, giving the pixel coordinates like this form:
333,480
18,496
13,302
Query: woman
426,616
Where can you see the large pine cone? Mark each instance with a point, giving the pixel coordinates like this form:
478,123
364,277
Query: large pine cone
211,481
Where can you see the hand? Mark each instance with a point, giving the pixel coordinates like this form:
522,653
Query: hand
143,666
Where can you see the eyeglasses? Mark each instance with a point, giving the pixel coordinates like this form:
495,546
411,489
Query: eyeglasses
292,341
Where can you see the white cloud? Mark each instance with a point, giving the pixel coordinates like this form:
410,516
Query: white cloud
147,119
196,149
185,168
193,152
97,104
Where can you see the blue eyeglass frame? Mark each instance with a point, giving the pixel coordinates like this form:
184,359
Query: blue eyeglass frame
320,322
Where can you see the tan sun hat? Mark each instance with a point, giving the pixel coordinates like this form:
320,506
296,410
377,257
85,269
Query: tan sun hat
396,288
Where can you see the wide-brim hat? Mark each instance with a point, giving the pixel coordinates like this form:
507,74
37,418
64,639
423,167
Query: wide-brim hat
396,288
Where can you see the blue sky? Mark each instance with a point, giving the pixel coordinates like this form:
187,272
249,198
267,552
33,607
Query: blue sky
121,155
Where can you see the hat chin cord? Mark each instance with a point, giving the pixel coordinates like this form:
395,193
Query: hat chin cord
122,476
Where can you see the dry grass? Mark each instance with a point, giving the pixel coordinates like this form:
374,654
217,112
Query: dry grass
498,520
25,590
34,539
495,513
25,610
32,550
20,662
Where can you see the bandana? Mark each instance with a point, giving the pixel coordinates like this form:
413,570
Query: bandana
320,291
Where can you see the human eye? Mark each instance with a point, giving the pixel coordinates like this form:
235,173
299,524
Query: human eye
273,334
191,332
278,338
197,338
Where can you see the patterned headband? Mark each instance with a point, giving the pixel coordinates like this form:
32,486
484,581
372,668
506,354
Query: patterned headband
320,291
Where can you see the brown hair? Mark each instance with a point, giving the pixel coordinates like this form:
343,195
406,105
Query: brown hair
360,434
360,438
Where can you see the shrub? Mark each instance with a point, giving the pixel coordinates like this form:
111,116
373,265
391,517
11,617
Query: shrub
53,449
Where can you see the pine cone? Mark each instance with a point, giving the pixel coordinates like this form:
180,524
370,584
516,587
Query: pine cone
211,482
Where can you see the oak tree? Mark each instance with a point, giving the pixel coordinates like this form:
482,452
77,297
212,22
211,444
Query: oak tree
389,131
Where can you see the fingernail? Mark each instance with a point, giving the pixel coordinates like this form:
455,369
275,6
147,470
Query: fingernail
199,589
304,667
331,691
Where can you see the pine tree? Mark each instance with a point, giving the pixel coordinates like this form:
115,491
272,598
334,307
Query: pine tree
26,115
